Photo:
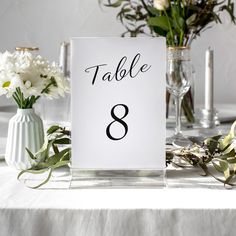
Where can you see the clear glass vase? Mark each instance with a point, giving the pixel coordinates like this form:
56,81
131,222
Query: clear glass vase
187,107
178,82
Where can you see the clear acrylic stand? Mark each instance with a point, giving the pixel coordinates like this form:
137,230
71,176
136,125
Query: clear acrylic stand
117,178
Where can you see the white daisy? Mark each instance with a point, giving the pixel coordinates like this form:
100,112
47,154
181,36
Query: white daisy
8,83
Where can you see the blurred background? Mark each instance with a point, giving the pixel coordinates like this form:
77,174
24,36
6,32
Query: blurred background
46,23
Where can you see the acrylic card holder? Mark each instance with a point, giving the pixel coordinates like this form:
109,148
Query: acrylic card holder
118,112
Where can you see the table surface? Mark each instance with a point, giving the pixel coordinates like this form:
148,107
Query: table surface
189,205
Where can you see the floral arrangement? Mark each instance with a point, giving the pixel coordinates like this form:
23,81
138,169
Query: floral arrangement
25,78
179,21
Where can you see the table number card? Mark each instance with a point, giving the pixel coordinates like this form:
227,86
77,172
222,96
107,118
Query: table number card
118,103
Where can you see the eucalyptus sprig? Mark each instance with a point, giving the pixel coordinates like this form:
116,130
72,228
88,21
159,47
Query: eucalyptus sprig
51,156
216,153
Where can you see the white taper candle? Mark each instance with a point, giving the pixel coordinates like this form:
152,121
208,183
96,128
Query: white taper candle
209,77
63,57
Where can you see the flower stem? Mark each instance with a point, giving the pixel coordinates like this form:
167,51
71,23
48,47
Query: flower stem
16,100
22,102
171,31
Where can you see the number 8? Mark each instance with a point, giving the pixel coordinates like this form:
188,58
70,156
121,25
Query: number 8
117,119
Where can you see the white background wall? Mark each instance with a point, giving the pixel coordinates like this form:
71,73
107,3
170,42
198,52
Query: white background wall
46,23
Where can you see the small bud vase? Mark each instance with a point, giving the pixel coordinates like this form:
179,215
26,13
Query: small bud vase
25,130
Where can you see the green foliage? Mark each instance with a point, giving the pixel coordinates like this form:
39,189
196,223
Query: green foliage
217,152
159,22
181,23
51,156
22,102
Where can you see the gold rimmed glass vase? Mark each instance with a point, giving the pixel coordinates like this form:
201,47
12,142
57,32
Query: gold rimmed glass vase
178,80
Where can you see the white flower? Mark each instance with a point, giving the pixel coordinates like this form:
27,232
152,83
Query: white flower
29,69
35,76
161,4
23,60
59,84
8,83
31,83
7,61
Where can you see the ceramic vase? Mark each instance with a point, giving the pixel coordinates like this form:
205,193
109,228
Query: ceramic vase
25,130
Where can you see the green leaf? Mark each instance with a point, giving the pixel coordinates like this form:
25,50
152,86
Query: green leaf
227,181
159,31
66,156
153,10
30,154
42,165
191,19
217,137
217,167
60,164
229,149
45,181
175,11
160,21
222,167
55,149
53,129
31,172
227,140
179,25
62,141
231,160
56,157
44,152
225,168
211,144
231,153
178,21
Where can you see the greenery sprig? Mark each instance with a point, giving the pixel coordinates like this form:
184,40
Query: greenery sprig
217,152
51,156
215,155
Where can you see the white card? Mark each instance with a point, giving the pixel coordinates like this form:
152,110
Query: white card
118,103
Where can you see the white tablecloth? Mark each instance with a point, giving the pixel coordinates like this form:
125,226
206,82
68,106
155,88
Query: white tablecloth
190,205
196,210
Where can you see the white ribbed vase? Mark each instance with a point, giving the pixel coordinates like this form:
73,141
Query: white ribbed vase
25,130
